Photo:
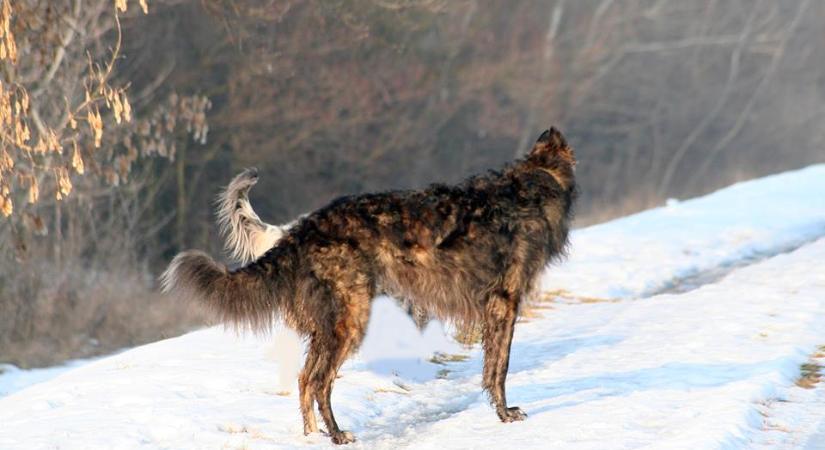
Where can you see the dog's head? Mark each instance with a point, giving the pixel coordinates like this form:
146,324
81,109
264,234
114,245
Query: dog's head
552,154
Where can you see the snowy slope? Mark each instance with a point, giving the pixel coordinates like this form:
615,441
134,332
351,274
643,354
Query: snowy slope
650,251
669,329
13,379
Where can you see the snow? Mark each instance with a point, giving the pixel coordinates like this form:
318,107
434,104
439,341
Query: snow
794,417
679,327
648,252
13,378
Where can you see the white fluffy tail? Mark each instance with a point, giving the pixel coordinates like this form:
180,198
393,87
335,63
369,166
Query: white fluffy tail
247,236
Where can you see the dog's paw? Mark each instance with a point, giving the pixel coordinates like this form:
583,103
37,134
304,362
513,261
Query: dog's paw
512,414
342,437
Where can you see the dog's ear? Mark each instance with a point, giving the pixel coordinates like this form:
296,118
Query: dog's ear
551,141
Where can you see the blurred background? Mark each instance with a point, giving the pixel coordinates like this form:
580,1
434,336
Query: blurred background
121,120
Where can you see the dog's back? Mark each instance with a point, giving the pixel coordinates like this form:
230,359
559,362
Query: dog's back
445,249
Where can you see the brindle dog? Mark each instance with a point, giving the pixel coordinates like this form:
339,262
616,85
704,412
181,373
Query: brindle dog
467,253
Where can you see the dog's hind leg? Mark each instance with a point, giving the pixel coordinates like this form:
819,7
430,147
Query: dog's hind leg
346,335
305,392
499,322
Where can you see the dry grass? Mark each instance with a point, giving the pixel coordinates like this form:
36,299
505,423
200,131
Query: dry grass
391,391
445,358
564,296
468,335
541,302
534,308
810,373
53,315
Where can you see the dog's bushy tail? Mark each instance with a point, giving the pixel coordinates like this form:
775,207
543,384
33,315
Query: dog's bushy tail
241,298
247,236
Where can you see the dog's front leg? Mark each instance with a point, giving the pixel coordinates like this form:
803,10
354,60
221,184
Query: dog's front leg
499,323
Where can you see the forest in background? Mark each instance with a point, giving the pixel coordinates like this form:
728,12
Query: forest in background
660,98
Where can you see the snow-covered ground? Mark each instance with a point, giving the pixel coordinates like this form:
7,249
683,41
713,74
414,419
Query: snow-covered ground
682,327
13,379
654,250
794,417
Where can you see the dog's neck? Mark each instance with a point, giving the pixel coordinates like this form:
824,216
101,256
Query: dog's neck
560,169
563,176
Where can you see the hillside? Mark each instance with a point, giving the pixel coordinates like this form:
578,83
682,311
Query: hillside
672,328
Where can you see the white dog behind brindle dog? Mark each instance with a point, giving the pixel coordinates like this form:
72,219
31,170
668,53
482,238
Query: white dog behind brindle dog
247,238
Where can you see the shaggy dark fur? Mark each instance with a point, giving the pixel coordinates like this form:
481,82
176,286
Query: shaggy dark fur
466,253
248,237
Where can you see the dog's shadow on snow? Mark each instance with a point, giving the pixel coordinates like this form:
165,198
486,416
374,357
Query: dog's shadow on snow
531,355
672,376
393,345
527,355
524,356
